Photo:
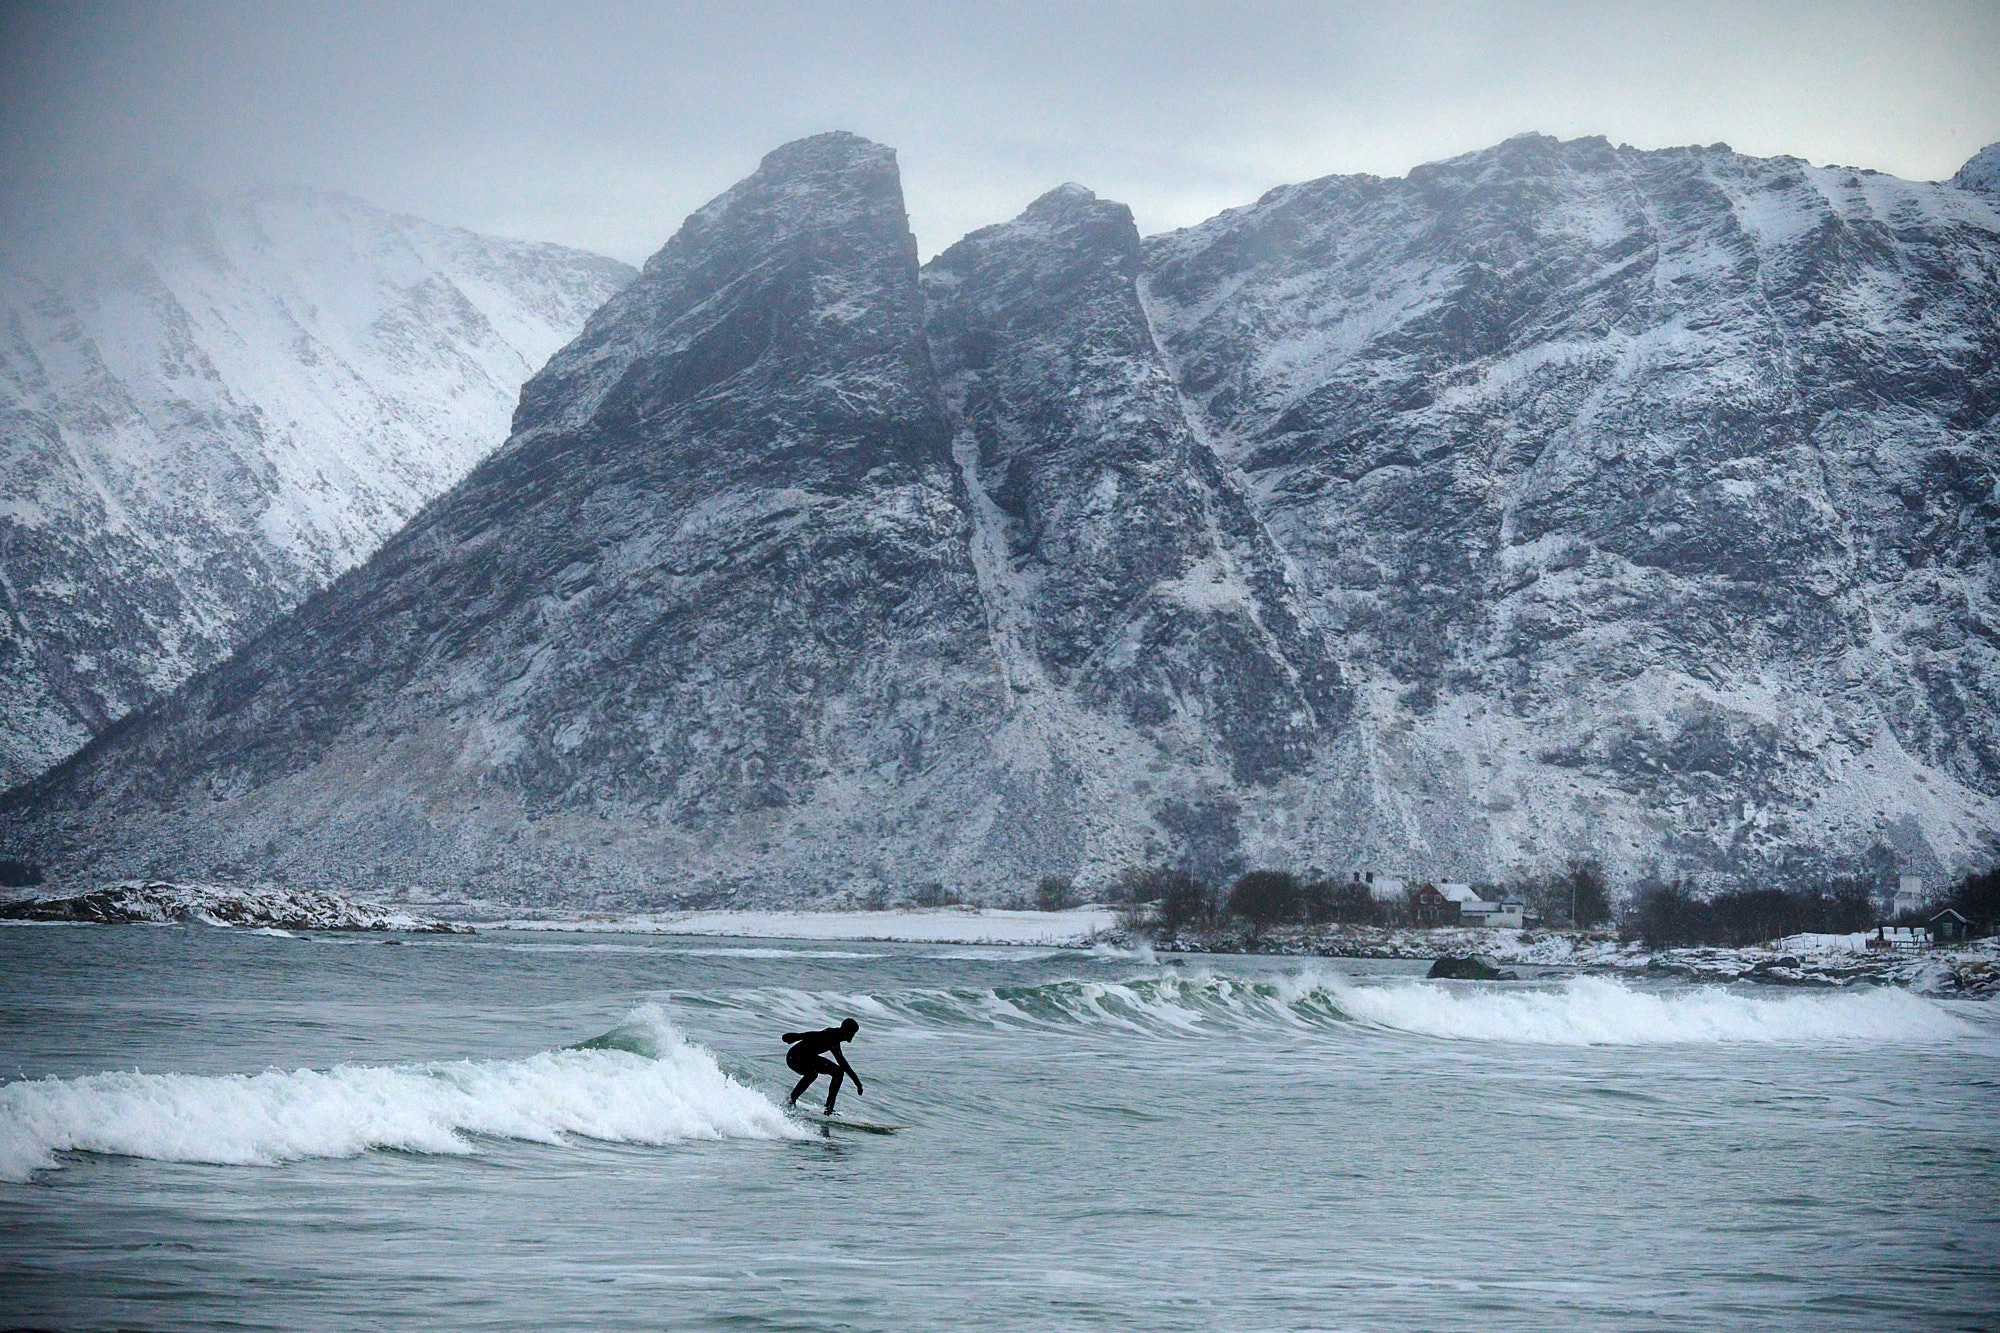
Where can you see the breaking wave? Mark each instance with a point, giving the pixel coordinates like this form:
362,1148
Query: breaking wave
642,1082
1594,1011
1583,1011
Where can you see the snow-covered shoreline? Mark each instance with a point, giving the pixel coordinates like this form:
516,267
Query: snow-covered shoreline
1804,960
1073,928
1801,960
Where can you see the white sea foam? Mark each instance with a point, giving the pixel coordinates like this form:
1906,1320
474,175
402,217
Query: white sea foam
753,952
641,1083
993,953
1581,1012
1588,1011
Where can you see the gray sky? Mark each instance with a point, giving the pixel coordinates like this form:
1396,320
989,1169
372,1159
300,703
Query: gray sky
603,125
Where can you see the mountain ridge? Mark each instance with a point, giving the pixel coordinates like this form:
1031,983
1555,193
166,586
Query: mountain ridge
1556,500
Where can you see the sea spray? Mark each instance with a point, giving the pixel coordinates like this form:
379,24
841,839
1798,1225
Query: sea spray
642,1082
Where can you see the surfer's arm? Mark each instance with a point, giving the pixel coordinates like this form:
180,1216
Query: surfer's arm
841,1056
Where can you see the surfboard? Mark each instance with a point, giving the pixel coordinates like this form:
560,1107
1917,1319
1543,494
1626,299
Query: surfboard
843,1122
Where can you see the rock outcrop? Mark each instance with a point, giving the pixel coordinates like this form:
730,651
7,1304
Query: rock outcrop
1470,967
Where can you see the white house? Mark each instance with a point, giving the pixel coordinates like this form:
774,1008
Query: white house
1909,894
1506,914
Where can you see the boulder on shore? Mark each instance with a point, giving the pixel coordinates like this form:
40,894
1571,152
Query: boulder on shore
1469,967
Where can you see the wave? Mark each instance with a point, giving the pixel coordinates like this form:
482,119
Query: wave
1583,1011
642,1082
1594,1011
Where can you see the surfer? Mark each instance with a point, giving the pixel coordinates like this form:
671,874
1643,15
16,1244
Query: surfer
808,1057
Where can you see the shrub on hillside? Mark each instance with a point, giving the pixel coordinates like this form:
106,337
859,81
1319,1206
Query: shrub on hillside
934,894
1577,895
1319,901
1186,901
1668,916
1977,899
19,874
1266,898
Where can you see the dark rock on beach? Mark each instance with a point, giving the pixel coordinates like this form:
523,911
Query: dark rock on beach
1470,967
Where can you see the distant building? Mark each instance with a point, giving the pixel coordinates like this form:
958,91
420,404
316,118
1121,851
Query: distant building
1429,907
1949,925
1909,895
1507,914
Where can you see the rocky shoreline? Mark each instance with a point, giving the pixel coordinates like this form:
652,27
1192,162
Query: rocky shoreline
1972,972
158,902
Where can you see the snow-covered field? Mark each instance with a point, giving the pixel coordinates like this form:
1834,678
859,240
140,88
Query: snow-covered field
915,925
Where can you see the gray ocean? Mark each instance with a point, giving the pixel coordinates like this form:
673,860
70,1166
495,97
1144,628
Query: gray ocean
205,1128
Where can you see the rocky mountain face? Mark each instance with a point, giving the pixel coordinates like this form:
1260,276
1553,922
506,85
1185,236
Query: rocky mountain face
210,407
1557,500
1160,665
715,585
754,605
1649,497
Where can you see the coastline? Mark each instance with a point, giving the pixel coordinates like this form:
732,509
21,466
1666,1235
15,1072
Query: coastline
1970,971
1074,928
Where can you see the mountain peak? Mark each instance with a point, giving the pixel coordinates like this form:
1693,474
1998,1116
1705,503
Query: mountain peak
1982,173
1068,194
826,182
835,150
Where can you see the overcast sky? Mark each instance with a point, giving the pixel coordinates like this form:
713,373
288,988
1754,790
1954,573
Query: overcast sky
603,125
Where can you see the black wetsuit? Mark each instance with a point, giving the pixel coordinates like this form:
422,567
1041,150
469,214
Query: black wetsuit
808,1057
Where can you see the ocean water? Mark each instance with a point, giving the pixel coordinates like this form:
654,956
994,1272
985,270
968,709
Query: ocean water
204,1127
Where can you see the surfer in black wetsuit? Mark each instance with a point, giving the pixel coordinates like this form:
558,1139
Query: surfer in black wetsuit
808,1057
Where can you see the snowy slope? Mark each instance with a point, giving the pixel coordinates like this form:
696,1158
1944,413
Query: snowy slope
210,407
1651,497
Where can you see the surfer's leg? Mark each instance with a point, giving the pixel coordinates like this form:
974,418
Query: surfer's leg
833,1091
801,1086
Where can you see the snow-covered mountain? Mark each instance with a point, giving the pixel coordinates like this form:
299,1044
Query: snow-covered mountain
1559,499
752,605
211,406
1650,496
